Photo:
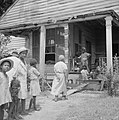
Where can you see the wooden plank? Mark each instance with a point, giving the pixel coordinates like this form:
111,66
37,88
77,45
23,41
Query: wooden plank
77,89
57,4
70,6
32,26
53,9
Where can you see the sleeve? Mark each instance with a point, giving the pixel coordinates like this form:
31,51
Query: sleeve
1,79
16,73
36,72
11,84
88,54
65,67
79,57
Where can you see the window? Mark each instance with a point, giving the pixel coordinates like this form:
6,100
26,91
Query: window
50,46
36,44
54,44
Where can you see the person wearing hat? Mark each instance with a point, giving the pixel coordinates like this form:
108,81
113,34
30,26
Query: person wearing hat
19,71
59,83
15,53
84,58
21,74
5,97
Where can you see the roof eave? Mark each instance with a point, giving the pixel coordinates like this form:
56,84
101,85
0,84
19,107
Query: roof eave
86,17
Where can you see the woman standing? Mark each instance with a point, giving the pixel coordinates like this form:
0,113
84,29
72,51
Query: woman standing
60,78
22,77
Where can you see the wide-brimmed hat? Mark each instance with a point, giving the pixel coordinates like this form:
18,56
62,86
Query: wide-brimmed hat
22,49
15,51
7,60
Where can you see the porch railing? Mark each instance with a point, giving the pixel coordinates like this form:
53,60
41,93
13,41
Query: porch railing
115,60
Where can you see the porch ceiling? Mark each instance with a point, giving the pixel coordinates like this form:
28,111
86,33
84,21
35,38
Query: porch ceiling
100,23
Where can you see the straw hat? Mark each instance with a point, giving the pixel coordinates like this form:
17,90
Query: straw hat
15,51
22,49
7,60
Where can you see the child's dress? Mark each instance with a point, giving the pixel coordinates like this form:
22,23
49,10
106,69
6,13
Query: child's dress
33,75
5,96
84,74
14,89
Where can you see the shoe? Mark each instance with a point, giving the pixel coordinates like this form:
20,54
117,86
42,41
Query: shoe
64,98
37,109
24,113
55,99
19,116
16,117
30,110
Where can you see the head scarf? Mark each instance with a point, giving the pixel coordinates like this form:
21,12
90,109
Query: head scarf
61,58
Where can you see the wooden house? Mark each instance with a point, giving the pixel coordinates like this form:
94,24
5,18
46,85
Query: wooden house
54,27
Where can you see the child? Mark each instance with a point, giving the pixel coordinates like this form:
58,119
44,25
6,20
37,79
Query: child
5,97
84,58
84,73
14,90
93,74
34,77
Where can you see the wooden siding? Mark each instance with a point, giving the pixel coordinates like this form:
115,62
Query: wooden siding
16,43
40,11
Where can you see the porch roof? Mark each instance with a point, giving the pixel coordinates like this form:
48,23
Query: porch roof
33,13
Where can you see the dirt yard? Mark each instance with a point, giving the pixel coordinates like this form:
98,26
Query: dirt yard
86,105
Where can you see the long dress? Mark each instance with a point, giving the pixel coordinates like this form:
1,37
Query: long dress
22,77
33,75
59,82
5,96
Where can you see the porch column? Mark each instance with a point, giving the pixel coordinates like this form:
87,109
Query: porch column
109,42
42,51
30,43
66,37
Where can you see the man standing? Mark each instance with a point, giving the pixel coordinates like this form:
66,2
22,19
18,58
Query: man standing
60,78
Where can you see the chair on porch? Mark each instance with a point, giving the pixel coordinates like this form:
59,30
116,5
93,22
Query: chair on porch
48,79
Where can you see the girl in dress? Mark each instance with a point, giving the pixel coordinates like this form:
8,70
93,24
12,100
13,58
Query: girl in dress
34,76
84,73
5,97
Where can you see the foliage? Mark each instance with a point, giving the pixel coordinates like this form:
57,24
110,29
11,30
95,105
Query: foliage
112,76
4,5
4,40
